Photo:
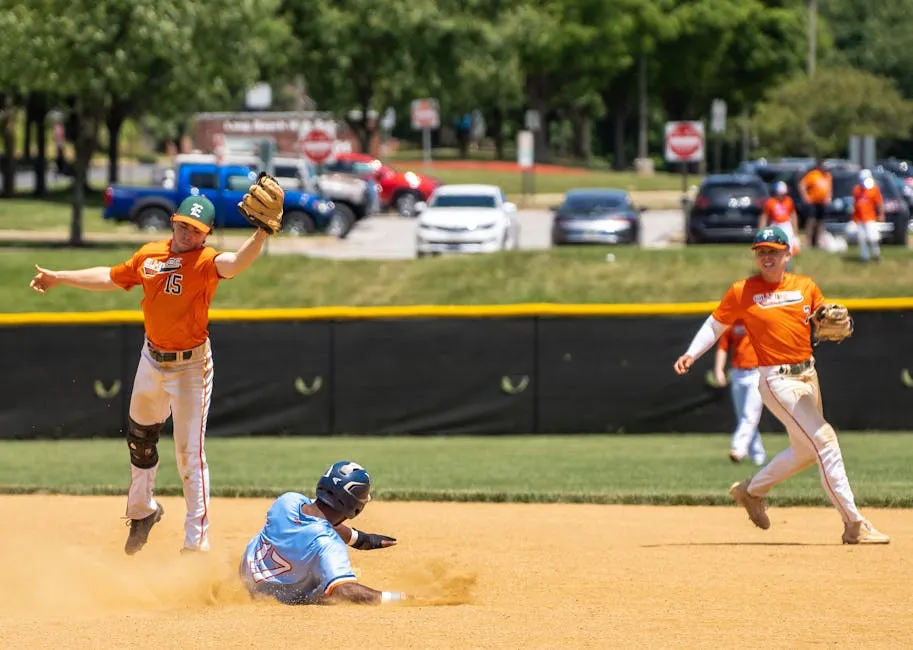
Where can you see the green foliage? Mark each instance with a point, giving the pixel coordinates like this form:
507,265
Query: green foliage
817,115
872,36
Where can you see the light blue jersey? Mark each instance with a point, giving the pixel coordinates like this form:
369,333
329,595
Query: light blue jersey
296,558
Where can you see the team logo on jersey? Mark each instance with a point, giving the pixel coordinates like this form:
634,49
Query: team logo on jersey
152,267
777,299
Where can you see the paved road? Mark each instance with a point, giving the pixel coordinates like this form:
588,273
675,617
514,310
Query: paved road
393,237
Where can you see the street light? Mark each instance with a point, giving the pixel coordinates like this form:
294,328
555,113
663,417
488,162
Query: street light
812,36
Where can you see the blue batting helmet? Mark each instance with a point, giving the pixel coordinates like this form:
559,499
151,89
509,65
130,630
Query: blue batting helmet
345,487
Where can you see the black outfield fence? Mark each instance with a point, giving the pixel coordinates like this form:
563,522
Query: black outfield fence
437,370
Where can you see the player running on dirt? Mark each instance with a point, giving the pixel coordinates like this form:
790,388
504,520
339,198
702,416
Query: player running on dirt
779,309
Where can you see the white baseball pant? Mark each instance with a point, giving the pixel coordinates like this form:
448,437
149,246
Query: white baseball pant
869,237
796,401
746,401
182,389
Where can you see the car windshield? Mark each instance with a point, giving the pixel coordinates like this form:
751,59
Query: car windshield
464,201
721,193
844,184
597,204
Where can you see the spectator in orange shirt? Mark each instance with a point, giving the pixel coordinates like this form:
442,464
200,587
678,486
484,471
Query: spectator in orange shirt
780,211
816,189
746,398
868,210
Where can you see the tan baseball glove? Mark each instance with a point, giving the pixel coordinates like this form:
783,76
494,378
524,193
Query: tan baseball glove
262,205
832,322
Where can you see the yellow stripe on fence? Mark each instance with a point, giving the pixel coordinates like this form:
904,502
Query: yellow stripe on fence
424,311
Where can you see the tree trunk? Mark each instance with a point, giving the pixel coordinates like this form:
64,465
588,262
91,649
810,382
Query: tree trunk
582,136
620,160
27,134
85,139
114,121
41,132
497,127
8,164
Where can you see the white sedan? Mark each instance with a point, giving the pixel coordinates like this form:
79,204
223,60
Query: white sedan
466,219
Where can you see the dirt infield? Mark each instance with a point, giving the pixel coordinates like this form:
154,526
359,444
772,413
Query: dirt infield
489,576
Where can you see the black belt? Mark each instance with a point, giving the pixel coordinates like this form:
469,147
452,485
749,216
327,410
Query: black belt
165,357
795,368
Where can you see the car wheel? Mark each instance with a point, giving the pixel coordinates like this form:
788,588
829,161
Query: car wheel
153,219
405,204
298,223
342,221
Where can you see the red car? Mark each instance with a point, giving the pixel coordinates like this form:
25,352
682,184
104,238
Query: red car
398,190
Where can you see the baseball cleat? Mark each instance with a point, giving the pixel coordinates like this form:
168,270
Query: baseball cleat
755,506
862,532
139,530
735,458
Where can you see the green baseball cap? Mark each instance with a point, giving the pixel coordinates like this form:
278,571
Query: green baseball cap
198,211
771,236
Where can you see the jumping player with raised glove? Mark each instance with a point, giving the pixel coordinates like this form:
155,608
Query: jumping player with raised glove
779,310
174,377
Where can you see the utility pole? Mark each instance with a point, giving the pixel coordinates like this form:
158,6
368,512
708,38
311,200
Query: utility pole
812,36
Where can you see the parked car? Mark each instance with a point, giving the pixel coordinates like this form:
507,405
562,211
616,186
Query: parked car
903,170
838,215
727,208
466,219
353,197
399,191
596,216
150,208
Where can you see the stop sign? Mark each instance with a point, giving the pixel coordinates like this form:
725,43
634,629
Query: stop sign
317,145
684,141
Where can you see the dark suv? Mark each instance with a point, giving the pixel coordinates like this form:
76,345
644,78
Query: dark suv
726,209
840,210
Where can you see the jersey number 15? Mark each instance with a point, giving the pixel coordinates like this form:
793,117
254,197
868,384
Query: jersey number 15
173,284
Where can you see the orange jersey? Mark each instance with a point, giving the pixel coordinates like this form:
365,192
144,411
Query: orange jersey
779,211
775,315
817,185
736,338
866,201
177,291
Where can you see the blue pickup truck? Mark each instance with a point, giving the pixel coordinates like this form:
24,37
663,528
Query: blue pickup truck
150,208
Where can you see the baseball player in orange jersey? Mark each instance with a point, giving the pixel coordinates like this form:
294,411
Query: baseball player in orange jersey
746,400
174,377
777,309
780,211
868,210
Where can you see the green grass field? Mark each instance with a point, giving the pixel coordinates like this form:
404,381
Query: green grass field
565,275
542,183
682,469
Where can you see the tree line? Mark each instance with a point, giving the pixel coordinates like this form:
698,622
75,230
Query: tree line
603,75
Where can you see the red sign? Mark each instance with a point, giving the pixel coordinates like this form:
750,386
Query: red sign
425,114
317,145
684,141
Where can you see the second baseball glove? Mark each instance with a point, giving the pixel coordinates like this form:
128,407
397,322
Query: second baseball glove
832,322
262,205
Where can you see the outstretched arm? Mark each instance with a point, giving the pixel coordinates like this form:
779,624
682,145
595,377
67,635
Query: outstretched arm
97,278
353,592
231,264
361,540
706,336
